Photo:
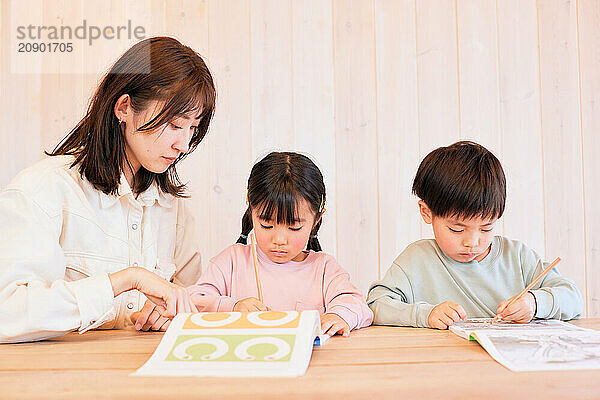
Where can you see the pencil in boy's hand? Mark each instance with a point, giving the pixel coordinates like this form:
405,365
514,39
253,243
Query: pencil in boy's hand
255,261
528,288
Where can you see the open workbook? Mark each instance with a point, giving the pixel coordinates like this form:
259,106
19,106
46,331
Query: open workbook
261,343
538,345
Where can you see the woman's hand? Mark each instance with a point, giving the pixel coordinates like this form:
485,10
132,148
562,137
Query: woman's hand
169,298
149,318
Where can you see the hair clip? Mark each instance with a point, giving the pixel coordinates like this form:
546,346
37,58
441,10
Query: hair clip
314,236
244,236
322,204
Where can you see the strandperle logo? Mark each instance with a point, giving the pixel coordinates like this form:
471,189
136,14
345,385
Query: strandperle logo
82,32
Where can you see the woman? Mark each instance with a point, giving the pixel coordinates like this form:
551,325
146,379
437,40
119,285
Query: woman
105,214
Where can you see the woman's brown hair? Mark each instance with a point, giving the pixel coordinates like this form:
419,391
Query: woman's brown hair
156,69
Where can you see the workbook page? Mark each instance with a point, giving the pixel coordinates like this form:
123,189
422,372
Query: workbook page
467,327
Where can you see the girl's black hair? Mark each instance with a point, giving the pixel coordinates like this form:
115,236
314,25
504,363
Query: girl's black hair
158,68
277,183
463,180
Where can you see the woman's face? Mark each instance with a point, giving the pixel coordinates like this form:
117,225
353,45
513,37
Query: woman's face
157,149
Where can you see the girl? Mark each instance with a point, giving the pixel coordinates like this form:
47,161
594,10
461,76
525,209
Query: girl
105,214
286,199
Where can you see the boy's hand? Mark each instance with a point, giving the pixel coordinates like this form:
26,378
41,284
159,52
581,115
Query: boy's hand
250,304
148,318
445,314
333,323
521,311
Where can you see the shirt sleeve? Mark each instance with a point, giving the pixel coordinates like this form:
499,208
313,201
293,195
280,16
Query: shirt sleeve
556,296
36,302
188,262
343,298
392,301
210,293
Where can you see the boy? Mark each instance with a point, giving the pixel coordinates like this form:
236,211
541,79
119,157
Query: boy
466,271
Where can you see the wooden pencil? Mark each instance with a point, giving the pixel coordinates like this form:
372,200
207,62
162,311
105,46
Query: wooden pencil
533,282
255,261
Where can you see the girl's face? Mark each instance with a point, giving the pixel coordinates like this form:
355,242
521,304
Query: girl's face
281,242
157,149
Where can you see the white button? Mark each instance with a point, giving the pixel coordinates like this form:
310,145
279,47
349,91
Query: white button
134,227
135,264
130,306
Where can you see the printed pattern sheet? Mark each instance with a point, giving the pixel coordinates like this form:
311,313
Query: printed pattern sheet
262,343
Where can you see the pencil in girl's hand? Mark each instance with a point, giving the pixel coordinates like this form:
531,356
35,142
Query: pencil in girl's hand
528,288
255,261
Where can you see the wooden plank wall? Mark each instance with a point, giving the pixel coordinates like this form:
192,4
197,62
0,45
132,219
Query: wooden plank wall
367,88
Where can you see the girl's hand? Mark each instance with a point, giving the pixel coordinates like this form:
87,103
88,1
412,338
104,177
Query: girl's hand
521,311
250,304
169,298
332,324
149,318
445,314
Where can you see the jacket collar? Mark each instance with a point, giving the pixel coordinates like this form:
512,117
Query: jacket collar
147,198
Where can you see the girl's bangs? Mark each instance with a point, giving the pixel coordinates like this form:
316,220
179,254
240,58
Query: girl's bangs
281,206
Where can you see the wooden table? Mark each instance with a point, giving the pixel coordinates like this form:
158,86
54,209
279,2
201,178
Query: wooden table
374,363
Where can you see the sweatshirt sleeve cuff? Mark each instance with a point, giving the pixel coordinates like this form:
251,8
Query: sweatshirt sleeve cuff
422,311
545,302
346,314
226,303
95,300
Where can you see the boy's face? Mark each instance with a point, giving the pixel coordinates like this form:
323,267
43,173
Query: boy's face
462,240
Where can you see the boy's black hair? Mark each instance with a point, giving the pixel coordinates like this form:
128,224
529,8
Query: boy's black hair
276,184
463,180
